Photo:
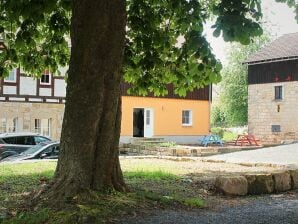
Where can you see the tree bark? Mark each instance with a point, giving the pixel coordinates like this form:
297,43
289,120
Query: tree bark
91,127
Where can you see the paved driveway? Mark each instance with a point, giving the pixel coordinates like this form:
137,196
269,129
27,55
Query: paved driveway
281,155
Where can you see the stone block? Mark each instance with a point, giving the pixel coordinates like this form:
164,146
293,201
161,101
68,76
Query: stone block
294,179
181,152
194,152
235,186
282,181
260,184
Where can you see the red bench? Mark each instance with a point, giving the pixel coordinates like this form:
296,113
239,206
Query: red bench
246,140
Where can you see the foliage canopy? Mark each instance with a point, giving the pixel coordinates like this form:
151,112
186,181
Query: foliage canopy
232,107
37,33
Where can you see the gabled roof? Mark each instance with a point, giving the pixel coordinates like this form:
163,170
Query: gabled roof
283,48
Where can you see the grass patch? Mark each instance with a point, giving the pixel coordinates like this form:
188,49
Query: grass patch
151,188
150,175
102,209
168,144
8,171
194,202
37,217
17,180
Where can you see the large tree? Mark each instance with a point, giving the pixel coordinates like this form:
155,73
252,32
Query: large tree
109,39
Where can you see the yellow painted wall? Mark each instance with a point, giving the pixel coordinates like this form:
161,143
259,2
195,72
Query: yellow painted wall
167,115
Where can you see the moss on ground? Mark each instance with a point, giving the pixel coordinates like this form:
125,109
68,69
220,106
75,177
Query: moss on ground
149,189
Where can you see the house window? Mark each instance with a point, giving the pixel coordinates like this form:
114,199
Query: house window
37,126
45,78
12,77
46,125
43,126
275,128
278,93
15,124
9,125
3,125
186,117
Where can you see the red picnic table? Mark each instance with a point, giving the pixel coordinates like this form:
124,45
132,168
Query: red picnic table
247,139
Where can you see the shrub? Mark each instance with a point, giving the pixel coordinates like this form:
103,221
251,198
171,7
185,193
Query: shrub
218,131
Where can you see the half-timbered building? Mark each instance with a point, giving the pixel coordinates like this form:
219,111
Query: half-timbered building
37,105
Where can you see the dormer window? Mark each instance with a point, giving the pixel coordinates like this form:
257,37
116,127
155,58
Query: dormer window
45,78
12,77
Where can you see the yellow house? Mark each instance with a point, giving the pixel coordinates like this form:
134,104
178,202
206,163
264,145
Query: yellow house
173,118
37,105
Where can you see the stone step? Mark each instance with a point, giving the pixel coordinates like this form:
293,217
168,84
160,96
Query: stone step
147,140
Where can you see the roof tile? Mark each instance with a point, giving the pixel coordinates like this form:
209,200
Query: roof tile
283,47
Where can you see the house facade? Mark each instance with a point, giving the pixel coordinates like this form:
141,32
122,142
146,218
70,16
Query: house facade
37,105
273,91
32,105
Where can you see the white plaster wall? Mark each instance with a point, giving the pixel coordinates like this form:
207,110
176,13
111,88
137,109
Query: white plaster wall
45,91
60,88
9,90
27,86
63,70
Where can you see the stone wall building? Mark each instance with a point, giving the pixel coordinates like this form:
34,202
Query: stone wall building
273,91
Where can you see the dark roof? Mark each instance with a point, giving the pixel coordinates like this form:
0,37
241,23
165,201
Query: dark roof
283,48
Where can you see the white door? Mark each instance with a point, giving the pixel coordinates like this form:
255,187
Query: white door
148,123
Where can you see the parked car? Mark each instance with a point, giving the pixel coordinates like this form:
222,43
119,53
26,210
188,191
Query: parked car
19,142
44,150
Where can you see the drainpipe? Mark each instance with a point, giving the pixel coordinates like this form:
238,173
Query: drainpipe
210,101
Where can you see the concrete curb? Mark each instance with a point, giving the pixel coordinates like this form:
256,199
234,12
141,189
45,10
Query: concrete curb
181,150
257,184
248,164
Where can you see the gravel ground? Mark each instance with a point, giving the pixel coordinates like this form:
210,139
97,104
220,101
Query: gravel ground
270,209
182,167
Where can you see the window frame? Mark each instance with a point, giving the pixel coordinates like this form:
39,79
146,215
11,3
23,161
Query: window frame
37,125
6,80
46,73
3,125
15,122
280,96
43,126
190,118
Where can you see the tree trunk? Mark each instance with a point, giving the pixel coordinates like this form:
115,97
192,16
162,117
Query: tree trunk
91,127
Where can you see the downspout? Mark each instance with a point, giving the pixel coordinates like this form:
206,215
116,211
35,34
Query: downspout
210,101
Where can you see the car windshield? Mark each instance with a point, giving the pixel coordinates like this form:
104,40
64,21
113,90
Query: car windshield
33,149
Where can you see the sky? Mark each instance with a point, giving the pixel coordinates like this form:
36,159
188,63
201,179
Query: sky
278,18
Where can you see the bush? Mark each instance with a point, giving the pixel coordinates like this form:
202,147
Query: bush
217,116
218,131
